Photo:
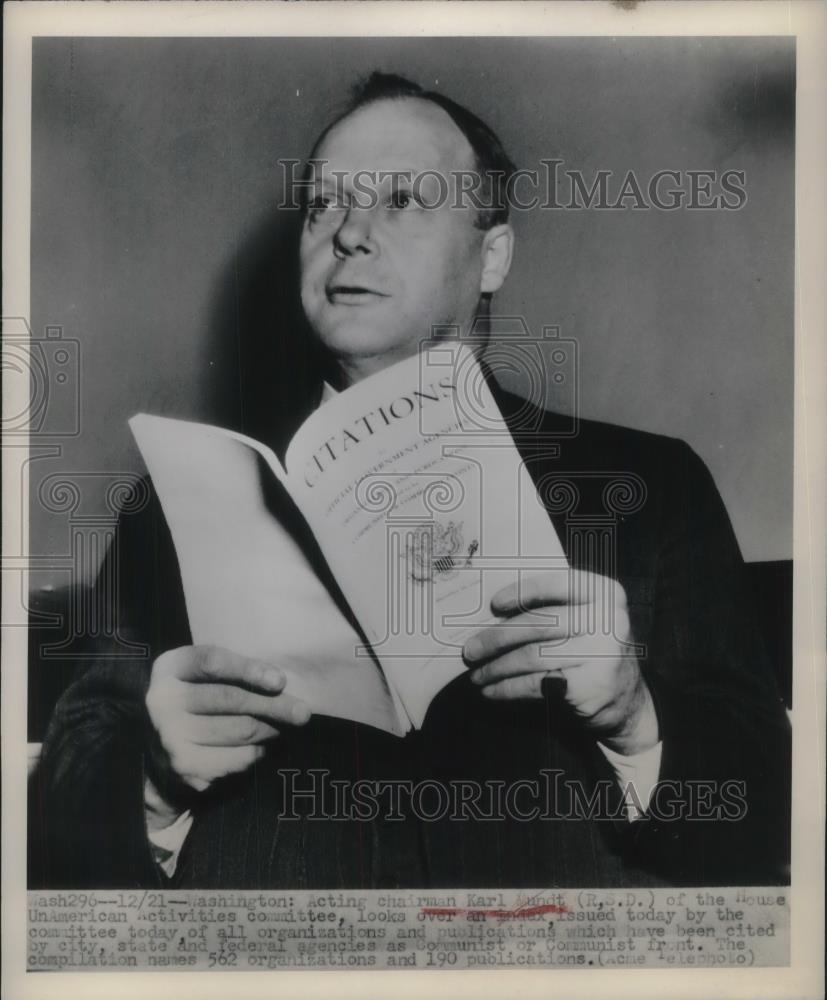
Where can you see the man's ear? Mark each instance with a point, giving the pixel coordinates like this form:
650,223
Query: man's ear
495,257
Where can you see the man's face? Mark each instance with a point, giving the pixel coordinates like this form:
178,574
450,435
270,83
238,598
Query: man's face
379,270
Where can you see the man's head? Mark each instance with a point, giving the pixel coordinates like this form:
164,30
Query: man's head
392,247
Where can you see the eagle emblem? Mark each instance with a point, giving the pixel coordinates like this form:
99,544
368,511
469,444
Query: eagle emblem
436,551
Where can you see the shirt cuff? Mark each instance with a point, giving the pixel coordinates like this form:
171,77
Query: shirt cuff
637,775
166,844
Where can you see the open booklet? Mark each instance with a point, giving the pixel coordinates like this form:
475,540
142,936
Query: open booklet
420,503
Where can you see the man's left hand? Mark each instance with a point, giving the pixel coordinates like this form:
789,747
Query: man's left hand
574,625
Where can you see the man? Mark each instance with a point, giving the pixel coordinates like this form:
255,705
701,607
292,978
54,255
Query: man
190,770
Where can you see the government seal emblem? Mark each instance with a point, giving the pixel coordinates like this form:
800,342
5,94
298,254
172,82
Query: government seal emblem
435,551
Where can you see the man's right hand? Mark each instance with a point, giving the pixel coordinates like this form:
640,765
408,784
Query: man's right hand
214,709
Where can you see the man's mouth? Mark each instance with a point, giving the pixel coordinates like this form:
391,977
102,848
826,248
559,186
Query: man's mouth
343,294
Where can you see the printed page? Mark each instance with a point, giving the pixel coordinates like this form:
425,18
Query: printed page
422,505
248,585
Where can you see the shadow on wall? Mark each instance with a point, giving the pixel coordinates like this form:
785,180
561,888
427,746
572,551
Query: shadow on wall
271,364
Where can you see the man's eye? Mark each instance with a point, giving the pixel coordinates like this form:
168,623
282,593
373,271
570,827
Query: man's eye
401,200
321,204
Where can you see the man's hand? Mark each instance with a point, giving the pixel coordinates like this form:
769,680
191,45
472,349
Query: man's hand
214,709
570,624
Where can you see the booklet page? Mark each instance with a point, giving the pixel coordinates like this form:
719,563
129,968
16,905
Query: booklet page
248,585
423,507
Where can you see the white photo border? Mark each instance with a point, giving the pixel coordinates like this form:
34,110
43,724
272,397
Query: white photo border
808,23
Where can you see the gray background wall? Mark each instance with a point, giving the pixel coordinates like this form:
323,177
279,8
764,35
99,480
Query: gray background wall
154,164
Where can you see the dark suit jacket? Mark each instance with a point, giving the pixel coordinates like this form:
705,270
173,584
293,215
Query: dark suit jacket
662,532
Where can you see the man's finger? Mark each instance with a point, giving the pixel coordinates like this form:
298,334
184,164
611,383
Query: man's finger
562,586
516,632
212,664
526,660
525,686
200,766
227,699
228,730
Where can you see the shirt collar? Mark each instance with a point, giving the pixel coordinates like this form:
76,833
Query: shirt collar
328,392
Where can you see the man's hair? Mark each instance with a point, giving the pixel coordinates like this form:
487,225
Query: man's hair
493,165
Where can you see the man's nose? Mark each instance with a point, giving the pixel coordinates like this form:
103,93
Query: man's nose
355,234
